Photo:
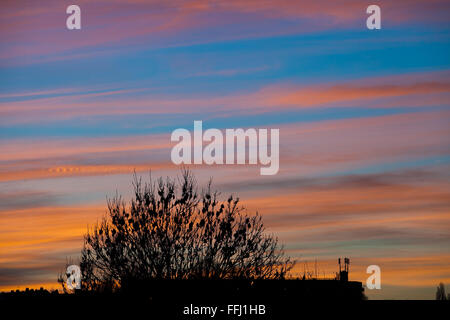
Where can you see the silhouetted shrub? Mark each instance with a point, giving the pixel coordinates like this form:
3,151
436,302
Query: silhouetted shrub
170,230
440,292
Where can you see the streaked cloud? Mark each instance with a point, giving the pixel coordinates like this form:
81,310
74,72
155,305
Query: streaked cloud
363,117
373,92
173,22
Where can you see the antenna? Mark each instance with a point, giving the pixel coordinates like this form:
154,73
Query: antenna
343,273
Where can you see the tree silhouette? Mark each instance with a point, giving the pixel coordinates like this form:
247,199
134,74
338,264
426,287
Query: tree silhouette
170,230
440,292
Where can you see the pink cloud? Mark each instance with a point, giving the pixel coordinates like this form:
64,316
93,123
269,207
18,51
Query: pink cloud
31,30
414,90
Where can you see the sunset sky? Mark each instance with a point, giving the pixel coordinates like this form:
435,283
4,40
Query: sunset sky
364,119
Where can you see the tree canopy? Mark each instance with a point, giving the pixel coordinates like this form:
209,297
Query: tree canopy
171,230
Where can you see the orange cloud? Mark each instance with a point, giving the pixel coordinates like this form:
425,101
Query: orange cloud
305,148
344,93
80,170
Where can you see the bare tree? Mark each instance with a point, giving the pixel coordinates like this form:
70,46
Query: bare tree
440,292
170,230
